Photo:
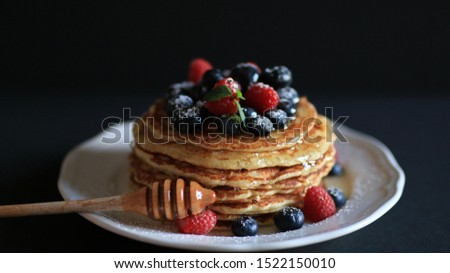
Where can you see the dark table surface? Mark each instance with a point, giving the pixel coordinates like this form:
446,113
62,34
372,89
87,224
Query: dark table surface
41,127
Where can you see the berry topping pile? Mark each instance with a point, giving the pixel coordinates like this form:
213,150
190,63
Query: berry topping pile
243,99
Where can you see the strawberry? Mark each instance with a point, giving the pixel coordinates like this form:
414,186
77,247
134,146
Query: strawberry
318,204
224,98
197,68
261,97
199,224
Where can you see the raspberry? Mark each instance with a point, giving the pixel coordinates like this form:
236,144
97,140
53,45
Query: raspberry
197,68
318,204
199,224
232,84
223,106
223,101
261,97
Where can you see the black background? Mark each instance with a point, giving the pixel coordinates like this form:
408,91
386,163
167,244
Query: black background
134,45
67,65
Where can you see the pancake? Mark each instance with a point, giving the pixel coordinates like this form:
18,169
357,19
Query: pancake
233,195
266,198
228,193
266,201
146,163
156,124
268,204
302,152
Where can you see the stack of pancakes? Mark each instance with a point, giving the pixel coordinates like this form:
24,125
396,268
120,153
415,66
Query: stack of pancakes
254,176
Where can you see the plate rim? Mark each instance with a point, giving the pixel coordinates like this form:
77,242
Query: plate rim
110,225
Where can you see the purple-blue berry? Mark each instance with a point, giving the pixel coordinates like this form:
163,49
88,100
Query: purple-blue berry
244,226
278,118
338,196
336,170
245,74
290,218
277,76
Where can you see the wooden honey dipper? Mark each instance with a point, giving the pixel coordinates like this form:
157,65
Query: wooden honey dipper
170,200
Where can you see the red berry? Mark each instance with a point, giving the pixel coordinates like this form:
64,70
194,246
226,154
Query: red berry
318,204
199,224
225,106
197,68
261,97
232,84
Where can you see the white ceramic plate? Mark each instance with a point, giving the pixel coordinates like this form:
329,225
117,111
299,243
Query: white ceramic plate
373,181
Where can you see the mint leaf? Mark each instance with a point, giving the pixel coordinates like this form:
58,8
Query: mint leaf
239,95
218,93
241,112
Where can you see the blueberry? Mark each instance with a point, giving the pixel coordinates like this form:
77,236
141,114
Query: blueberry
211,77
197,92
336,170
180,101
289,108
186,120
337,195
288,94
288,100
278,118
181,88
249,112
259,125
229,125
289,218
277,76
245,74
244,226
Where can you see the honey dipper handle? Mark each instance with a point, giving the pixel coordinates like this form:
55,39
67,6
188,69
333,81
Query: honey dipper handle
133,202
91,205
